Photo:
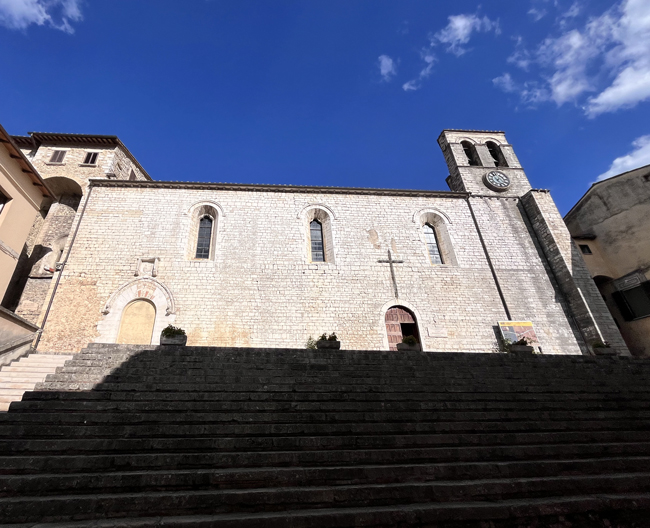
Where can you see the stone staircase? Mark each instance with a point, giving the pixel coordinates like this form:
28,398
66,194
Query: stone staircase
23,375
222,437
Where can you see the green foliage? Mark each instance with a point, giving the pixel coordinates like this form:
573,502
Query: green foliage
332,337
524,341
409,340
171,331
311,344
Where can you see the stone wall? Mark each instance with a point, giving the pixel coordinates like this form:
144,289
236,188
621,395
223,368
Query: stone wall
261,290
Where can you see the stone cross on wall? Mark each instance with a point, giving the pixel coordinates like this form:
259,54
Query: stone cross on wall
392,261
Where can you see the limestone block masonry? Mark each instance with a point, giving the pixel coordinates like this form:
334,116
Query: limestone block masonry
504,259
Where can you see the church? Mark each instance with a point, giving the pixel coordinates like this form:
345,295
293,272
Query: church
118,256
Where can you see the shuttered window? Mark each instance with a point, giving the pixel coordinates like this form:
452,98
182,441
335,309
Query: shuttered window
57,156
635,302
316,235
205,235
91,158
432,244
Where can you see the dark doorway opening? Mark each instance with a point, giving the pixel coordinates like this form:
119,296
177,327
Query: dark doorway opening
400,322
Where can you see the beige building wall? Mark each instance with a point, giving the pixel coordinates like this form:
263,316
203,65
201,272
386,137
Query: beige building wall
17,215
612,220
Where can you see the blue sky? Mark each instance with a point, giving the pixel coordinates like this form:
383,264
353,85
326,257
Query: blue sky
334,92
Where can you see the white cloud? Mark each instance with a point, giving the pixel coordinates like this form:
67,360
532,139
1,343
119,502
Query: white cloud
521,56
638,157
387,67
410,86
59,14
628,60
607,57
530,93
429,60
537,13
505,83
459,30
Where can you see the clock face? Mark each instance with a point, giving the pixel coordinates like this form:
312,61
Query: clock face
497,181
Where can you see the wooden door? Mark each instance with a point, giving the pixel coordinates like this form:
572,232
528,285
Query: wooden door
136,327
395,316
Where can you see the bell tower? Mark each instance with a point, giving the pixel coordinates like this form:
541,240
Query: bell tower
482,162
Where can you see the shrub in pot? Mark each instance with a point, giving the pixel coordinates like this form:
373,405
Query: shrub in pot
331,342
409,343
521,347
172,335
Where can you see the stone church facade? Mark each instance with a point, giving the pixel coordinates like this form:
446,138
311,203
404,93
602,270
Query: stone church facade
270,266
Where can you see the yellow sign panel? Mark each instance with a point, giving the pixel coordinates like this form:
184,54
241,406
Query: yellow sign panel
513,331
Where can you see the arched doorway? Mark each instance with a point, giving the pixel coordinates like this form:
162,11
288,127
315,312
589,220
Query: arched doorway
400,322
136,326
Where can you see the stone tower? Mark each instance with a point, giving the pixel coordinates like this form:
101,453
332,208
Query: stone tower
507,211
478,162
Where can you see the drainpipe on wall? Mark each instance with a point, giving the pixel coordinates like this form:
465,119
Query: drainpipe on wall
62,266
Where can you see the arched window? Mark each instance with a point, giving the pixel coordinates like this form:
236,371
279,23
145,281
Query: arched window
316,237
432,244
472,155
497,155
204,238
201,241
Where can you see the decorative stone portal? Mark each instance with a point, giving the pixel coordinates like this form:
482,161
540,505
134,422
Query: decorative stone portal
145,289
400,322
136,327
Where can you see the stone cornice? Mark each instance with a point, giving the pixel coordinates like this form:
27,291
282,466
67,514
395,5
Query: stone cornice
275,188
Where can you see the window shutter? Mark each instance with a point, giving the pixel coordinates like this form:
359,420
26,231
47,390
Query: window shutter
623,307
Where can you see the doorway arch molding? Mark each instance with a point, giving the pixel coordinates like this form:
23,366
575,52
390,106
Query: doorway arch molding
142,288
382,321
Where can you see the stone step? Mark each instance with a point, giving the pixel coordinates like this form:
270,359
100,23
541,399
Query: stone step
24,374
325,475
500,454
114,430
153,405
325,418
414,396
83,446
57,508
552,511
293,386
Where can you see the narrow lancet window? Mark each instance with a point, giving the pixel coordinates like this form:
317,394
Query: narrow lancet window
205,235
432,244
316,235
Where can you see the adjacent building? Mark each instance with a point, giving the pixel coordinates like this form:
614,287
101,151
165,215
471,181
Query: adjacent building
22,195
610,226
66,163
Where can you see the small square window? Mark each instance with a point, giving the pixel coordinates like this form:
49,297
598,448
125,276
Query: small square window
586,250
91,158
57,156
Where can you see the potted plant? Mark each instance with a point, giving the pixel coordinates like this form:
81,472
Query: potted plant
172,335
409,343
521,347
602,348
331,342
